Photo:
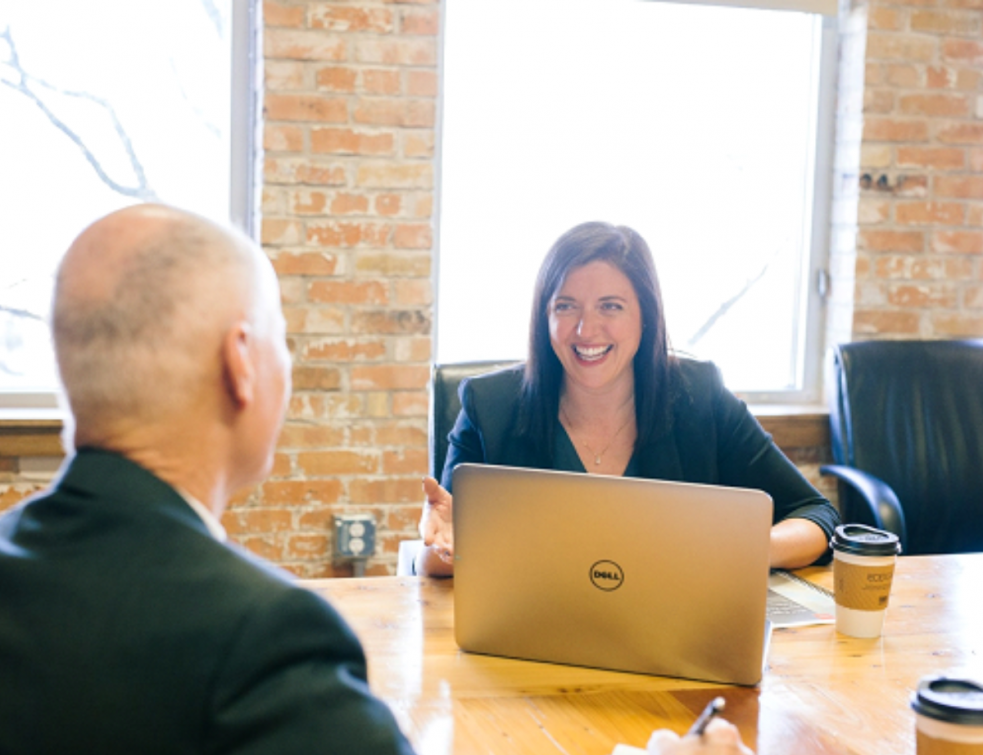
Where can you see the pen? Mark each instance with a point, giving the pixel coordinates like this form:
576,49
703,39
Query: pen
714,707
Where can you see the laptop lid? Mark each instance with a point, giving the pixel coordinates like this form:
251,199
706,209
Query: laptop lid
619,573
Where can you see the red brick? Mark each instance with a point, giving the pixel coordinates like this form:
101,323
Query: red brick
407,52
350,350
418,143
945,22
904,47
410,404
884,19
957,325
302,492
256,521
337,462
305,435
877,240
976,159
268,547
381,81
961,187
280,138
387,490
279,231
305,263
312,108
931,157
303,171
965,51
349,292
962,242
350,141
404,519
394,175
393,264
923,297
308,202
412,349
307,546
349,204
885,322
346,234
421,83
339,19
895,130
960,133
928,213
316,378
401,433
280,75
425,22
953,105
407,461
395,112
388,204
878,100
303,45
275,14
389,377
311,319
413,291
939,77
413,236
973,297
392,322
336,79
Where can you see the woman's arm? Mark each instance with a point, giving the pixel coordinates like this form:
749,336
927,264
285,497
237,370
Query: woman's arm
796,543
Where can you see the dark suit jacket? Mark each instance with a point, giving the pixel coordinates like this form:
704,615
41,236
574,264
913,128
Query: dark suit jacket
126,628
713,439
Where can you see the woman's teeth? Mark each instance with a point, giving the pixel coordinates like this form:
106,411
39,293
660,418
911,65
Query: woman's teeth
592,353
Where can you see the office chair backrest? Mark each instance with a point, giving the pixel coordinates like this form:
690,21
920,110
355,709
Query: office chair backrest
445,404
911,413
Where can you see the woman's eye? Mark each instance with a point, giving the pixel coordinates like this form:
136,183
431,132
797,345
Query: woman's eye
612,306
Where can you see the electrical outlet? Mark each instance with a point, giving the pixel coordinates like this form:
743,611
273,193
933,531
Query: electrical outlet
354,535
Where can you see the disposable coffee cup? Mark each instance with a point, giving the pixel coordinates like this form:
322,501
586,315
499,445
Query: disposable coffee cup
863,569
949,716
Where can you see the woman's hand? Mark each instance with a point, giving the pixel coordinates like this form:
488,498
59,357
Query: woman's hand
437,530
720,738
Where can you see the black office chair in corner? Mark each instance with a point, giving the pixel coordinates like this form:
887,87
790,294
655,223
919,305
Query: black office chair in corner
907,434
445,405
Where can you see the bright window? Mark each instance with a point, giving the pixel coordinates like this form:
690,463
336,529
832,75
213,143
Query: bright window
705,128
107,103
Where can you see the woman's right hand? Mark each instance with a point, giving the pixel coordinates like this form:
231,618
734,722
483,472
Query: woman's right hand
437,530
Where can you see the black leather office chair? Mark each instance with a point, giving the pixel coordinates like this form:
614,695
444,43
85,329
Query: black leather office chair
444,408
907,435
445,404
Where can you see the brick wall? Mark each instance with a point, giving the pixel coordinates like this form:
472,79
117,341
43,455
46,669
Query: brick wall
349,115
918,270
350,103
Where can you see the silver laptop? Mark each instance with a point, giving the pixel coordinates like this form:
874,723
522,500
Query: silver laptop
618,573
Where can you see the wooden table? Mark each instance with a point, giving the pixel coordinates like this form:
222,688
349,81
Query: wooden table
822,693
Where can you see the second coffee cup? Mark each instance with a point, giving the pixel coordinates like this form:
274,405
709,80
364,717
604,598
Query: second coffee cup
863,570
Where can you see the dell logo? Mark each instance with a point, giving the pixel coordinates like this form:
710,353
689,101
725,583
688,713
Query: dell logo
607,576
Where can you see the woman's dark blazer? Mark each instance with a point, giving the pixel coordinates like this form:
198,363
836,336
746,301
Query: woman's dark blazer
125,627
712,439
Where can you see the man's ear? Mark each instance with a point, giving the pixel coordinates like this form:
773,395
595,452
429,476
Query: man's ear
237,364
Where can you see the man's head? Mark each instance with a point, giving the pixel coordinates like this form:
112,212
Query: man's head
166,322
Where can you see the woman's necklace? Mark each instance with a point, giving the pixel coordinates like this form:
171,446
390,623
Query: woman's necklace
598,454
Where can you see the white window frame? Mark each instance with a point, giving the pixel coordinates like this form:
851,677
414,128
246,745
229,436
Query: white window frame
244,167
816,267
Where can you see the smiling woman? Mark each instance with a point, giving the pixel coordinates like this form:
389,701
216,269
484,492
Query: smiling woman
601,392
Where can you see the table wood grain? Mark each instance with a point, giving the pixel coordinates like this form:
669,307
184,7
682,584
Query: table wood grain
822,692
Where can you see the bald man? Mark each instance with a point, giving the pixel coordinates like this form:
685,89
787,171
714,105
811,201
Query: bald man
127,623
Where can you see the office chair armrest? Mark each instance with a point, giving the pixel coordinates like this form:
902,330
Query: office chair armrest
877,495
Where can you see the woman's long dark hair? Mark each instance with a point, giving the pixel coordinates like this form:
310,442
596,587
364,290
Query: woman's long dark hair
654,367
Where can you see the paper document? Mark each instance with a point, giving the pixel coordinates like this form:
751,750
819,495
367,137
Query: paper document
795,602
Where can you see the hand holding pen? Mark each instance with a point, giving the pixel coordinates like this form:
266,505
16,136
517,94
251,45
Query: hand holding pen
707,736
